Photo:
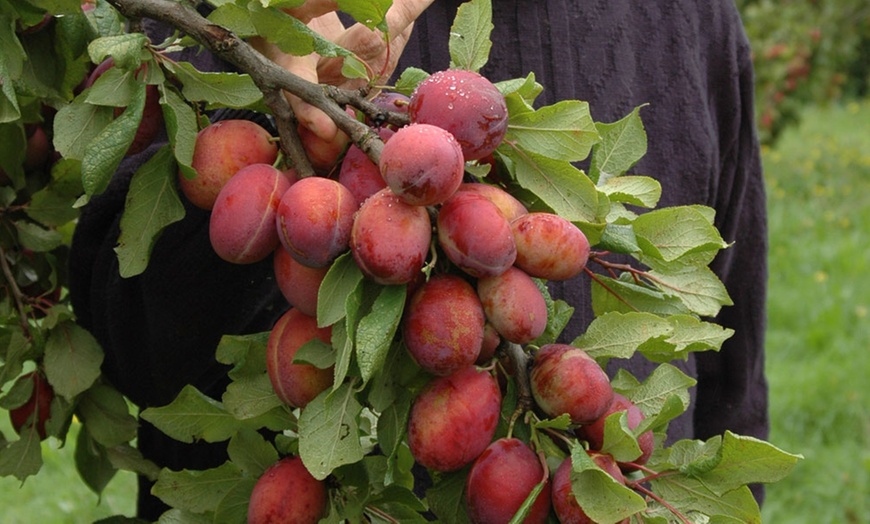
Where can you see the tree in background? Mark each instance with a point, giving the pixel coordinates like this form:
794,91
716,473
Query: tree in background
805,51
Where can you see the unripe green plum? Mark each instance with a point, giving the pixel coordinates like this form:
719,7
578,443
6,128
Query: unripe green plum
390,238
501,479
514,305
565,504
508,204
36,411
422,164
242,223
565,379
286,493
467,105
220,151
593,433
296,384
454,419
475,235
314,220
443,325
549,246
298,283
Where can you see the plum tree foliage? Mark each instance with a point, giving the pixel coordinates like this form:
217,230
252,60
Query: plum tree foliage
405,285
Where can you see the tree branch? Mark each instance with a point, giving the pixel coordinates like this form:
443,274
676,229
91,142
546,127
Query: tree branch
267,75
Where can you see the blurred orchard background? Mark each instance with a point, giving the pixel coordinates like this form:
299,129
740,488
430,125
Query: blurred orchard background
812,60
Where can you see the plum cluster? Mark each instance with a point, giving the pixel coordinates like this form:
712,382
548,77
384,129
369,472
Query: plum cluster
474,260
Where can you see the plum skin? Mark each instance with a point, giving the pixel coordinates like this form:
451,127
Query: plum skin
242,222
467,105
390,238
565,379
314,220
444,325
454,419
501,479
286,493
514,305
296,384
422,164
221,149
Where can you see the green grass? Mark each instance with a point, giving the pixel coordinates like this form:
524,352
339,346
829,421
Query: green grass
57,494
818,338
818,353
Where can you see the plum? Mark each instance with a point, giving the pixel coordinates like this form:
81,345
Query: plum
454,419
565,379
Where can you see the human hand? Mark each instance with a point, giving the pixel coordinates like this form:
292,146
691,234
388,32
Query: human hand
379,52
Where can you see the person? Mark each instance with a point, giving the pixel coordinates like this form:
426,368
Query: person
689,60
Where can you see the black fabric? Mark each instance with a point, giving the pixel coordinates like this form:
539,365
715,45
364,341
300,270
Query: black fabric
689,60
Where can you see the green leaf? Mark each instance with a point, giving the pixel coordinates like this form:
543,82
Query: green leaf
251,453
106,416
469,43
602,497
193,416
409,79
651,396
114,88
446,497
12,57
72,359
699,289
246,353
181,127
562,131
625,296
687,494
35,237
177,516
104,154
375,331
234,17
618,335
316,353
233,506
92,463
618,238
640,191
392,423
340,281
329,433
290,34
622,144
23,457
671,233
746,460
371,13
693,457
197,491
126,49
563,188
152,204
53,204
520,93
250,396
217,89
13,144
129,458
77,125
619,440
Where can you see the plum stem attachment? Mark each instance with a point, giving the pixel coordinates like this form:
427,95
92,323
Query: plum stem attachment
520,361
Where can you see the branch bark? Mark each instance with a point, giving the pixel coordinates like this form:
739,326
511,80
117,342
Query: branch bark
268,76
